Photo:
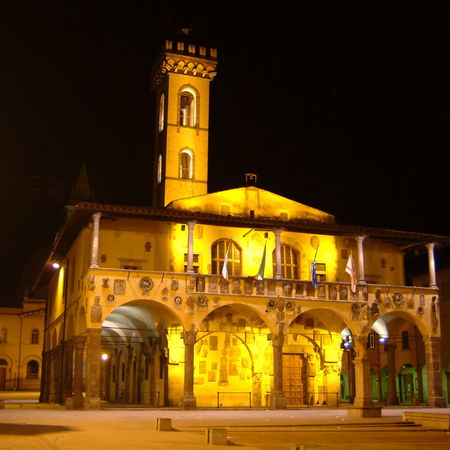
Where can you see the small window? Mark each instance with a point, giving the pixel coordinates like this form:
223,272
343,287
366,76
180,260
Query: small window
3,336
186,164
188,108
32,370
159,173
161,112
35,336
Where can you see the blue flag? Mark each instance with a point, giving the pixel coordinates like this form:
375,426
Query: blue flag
314,274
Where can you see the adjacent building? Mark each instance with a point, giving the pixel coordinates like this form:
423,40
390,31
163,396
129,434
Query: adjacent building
234,298
21,343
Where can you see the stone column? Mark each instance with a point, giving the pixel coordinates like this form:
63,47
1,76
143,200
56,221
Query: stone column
361,274
434,375
278,271
278,398
95,240
79,343
55,377
93,360
392,398
67,370
189,401
363,391
431,265
45,376
190,255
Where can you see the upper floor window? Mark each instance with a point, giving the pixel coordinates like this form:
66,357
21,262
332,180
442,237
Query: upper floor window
161,112
289,262
3,336
228,248
188,107
186,164
35,336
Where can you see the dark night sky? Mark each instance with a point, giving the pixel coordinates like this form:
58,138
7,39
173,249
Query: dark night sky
343,106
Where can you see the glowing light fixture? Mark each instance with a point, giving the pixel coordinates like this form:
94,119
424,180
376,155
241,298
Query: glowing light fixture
56,265
104,356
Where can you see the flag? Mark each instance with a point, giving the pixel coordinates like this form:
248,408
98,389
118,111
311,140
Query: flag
225,264
350,269
314,274
313,269
260,275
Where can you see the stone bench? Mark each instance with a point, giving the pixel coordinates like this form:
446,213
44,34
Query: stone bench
439,421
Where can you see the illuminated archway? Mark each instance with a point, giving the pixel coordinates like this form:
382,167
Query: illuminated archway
143,354
233,358
314,358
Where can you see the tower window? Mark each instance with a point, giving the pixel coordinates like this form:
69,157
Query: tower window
289,262
186,164
188,107
227,247
161,112
159,173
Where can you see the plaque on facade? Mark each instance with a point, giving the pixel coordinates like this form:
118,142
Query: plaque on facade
178,301
105,283
287,289
164,294
110,298
174,284
146,284
410,302
119,286
397,298
202,301
96,310
236,287
270,305
333,293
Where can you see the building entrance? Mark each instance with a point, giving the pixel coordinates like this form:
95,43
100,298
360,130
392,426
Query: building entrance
295,379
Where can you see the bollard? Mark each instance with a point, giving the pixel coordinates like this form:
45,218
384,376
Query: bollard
216,436
163,424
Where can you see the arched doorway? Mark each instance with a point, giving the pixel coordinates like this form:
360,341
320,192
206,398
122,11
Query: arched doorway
317,366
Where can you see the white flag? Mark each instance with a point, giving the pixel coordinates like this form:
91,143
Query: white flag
350,269
225,265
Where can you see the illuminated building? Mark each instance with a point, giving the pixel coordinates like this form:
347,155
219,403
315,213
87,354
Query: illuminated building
141,310
21,343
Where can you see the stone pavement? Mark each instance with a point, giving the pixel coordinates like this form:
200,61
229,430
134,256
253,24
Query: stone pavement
26,424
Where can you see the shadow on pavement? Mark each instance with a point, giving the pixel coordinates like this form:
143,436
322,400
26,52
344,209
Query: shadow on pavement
30,430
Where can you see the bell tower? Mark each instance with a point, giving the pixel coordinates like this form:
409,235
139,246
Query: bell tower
181,78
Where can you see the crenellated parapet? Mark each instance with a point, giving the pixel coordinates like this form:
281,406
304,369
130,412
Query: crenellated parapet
187,59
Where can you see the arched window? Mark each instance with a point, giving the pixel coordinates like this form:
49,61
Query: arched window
32,370
188,107
3,335
35,336
227,247
186,164
159,173
161,112
289,262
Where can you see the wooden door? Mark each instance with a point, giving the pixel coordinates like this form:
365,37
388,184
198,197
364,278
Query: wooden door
294,379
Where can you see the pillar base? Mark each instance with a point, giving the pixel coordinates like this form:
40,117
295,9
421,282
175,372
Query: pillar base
364,411
91,403
436,402
189,402
278,401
